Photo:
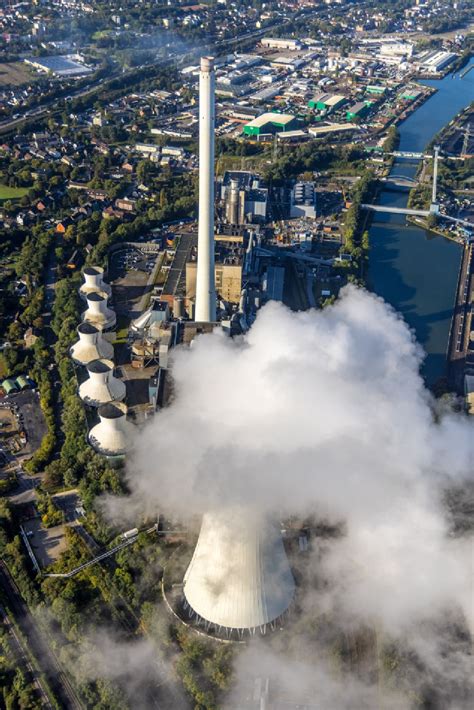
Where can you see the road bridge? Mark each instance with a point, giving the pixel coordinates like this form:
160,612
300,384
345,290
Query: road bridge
399,181
396,210
408,155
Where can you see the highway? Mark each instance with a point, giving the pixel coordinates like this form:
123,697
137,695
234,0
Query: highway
39,645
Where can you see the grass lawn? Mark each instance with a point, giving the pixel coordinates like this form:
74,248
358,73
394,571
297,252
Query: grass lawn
12,193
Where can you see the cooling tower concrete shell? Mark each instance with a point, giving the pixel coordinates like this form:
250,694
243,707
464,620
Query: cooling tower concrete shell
239,577
98,313
91,345
113,435
102,386
94,281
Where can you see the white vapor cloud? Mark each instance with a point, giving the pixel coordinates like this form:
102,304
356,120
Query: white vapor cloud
322,413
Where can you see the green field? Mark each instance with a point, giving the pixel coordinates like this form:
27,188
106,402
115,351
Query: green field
12,193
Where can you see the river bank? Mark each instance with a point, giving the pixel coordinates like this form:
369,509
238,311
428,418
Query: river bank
413,268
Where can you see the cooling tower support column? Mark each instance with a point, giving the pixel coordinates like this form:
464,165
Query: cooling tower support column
205,280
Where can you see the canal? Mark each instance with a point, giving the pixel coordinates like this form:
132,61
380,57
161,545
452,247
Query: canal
414,270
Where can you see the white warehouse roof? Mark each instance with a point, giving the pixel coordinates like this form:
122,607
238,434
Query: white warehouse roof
239,576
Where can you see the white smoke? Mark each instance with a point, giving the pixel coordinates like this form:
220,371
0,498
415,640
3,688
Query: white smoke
323,413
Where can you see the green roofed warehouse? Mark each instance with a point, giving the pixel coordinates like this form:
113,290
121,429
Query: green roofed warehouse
270,123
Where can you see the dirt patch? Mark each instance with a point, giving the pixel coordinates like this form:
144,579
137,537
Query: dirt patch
14,74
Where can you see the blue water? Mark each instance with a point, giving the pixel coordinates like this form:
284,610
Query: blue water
411,268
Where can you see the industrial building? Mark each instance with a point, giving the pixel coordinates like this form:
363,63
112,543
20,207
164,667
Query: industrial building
358,110
275,43
327,102
69,65
273,283
270,123
433,62
303,200
227,272
375,89
157,312
244,197
239,579
325,129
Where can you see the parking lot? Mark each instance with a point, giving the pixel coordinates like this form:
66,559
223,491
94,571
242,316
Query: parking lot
22,412
47,543
129,272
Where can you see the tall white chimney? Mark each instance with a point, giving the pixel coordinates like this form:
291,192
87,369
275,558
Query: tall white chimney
94,281
98,313
205,280
91,345
102,386
113,435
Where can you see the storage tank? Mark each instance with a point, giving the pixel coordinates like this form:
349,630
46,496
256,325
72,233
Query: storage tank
91,345
239,578
102,386
98,313
94,281
113,435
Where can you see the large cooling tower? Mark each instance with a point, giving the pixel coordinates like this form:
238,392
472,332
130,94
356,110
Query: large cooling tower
102,386
94,281
239,577
113,435
98,313
90,346
205,278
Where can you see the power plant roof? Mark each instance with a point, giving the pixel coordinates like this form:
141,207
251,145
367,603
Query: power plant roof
239,576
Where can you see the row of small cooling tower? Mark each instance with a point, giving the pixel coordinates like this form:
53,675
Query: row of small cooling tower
94,350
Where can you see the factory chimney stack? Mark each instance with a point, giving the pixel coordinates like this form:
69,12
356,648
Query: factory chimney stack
205,284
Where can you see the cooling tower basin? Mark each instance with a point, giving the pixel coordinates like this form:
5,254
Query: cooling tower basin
91,345
239,577
94,281
102,386
98,313
113,435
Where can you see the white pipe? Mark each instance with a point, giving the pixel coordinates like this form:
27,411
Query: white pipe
205,279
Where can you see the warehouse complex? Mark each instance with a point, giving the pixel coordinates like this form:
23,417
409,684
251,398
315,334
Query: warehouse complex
270,123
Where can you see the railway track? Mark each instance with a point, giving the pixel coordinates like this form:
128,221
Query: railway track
40,648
